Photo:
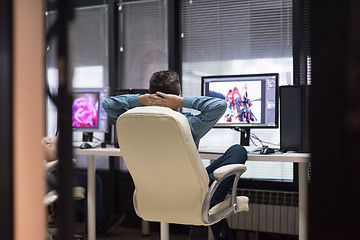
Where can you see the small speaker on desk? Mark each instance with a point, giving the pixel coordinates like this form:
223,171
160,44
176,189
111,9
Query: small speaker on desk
294,110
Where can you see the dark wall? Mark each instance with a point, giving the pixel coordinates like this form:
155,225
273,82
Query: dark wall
335,120
6,166
118,188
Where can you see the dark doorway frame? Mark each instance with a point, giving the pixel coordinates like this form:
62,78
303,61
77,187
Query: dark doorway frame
6,121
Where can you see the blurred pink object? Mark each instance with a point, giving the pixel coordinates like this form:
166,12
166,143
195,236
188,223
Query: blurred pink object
85,111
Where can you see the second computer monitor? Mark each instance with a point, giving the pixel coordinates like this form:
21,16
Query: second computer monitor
252,100
87,114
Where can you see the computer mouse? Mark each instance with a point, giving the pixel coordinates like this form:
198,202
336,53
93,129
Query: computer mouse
85,145
266,150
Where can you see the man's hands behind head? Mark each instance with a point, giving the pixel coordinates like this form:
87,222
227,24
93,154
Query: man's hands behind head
149,100
170,100
161,99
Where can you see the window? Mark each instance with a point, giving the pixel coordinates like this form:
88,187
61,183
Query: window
235,37
90,59
142,40
231,37
90,55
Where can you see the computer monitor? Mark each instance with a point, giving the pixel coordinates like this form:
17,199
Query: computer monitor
87,114
130,91
252,101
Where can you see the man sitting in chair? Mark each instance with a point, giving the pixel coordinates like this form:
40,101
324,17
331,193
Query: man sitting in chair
165,91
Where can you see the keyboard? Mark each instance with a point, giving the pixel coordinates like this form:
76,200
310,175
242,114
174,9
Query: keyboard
93,144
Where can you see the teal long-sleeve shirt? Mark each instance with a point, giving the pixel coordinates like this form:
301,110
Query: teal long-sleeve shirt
211,109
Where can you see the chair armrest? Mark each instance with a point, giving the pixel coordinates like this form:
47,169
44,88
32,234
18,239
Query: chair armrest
78,193
229,206
242,202
228,169
51,166
50,197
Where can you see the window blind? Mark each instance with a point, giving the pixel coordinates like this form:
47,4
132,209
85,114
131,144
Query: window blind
90,46
246,29
91,40
143,41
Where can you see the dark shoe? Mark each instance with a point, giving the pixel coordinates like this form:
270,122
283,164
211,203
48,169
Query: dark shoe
110,225
198,233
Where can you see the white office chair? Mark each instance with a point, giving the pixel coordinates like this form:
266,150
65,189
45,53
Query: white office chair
171,183
51,196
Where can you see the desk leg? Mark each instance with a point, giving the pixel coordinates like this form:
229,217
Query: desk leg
164,231
145,228
91,198
303,201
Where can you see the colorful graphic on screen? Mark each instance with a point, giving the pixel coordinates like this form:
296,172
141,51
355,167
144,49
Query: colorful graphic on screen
243,100
85,110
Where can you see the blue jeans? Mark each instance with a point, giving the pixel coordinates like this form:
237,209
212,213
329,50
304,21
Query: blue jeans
236,154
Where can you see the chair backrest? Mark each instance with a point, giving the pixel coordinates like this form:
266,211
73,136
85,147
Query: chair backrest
170,179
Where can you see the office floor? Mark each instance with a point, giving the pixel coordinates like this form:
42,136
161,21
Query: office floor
125,233
135,234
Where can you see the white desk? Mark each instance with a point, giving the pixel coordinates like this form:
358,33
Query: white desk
303,159
91,153
211,153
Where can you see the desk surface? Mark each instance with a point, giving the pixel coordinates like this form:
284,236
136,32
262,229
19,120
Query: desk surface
272,157
211,155
109,151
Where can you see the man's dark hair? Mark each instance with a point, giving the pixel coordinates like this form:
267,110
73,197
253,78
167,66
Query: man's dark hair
166,82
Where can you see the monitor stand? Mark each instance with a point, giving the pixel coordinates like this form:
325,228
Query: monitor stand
245,136
87,137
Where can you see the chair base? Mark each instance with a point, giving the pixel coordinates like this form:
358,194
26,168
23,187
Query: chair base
165,232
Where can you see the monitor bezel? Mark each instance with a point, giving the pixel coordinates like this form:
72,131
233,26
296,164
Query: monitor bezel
260,183
124,91
249,125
